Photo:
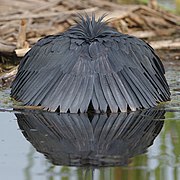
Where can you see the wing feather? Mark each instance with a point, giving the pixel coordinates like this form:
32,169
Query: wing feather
104,71
143,79
138,93
125,92
70,94
21,77
138,72
95,102
68,73
24,89
48,88
108,94
62,88
129,90
75,106
117,94
99,94
142,88
88,94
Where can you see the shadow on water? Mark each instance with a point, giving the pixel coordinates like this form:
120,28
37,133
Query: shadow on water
91,140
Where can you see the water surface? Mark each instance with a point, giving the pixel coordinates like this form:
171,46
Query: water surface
130,146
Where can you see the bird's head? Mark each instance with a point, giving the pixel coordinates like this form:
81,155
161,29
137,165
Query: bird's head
89,29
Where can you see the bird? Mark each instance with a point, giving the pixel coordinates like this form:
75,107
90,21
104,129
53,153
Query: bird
91,66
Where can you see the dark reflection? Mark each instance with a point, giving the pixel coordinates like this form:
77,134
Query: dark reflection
95,140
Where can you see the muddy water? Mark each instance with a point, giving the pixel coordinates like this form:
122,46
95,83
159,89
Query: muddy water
48,146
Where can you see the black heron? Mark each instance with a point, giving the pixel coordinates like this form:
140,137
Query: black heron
91,64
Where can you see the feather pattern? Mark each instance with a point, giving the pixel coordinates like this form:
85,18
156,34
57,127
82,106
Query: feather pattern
91,62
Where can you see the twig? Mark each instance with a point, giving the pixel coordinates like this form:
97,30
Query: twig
43,15
46,6
21,52
9,74
144,34
22,34
166,44
6,48
169,17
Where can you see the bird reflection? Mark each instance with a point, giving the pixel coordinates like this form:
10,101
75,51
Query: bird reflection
91,139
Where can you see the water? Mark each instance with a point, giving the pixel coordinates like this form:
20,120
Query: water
48,146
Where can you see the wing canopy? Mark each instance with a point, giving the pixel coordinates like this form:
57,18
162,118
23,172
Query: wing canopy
69,74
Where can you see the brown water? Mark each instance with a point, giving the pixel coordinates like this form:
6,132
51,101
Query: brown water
48,146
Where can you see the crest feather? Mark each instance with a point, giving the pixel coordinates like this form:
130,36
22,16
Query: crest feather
89,28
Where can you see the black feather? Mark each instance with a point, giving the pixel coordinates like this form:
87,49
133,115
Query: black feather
91,63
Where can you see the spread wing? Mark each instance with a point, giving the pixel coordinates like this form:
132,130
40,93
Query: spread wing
139,73
45,72
66,73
